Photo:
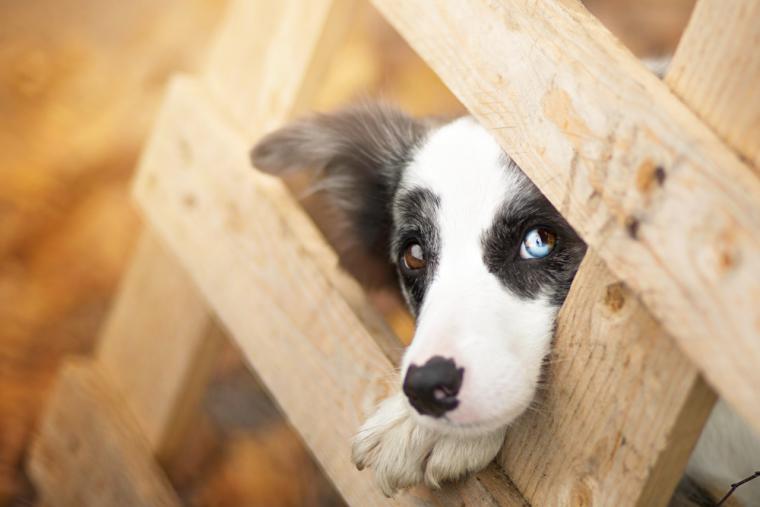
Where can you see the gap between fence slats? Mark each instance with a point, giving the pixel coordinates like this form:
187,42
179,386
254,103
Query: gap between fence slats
235,231
670,209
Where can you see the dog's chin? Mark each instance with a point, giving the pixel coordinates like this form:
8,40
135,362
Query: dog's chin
453,424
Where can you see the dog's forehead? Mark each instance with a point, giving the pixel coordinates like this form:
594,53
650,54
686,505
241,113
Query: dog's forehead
466,169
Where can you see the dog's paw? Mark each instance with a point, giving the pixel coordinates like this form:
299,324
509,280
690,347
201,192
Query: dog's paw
402,453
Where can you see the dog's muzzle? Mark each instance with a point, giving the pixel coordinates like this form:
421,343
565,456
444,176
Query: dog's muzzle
433,387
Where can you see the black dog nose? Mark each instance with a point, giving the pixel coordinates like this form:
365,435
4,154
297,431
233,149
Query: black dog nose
433,387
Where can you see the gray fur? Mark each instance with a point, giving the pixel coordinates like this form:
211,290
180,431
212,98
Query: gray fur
359,154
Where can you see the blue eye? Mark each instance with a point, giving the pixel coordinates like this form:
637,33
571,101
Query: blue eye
537,243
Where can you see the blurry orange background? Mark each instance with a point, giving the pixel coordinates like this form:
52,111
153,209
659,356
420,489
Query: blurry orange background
80,81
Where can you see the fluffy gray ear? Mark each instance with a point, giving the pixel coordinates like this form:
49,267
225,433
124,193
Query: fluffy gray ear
359,154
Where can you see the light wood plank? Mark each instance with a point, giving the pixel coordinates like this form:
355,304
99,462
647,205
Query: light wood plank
716,71
621,409
670,209
276,285
89,431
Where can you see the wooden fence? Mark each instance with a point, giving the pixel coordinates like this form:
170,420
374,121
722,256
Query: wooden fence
660,178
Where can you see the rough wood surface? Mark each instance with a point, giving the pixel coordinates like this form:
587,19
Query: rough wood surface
89,431
670,209
159,344
276,285
621,408
716,71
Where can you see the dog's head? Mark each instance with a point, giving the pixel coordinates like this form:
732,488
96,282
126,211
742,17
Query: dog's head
483,259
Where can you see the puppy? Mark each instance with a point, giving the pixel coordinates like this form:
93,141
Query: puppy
482,258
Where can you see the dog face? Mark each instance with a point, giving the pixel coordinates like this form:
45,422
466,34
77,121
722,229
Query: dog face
483,259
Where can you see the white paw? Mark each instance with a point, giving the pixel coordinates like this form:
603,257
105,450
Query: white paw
402,453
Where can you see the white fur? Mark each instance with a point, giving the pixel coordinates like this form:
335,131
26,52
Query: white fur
468,314
403,453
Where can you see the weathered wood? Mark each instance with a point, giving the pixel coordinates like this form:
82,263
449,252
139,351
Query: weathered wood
621,408
276,285
670,209
159,344
716,71
89,432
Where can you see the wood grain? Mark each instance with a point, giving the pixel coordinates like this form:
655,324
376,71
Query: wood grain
621,408
716,71
671,210
88,430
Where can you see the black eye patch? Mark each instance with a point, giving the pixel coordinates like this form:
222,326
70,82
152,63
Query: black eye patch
415,213
530,278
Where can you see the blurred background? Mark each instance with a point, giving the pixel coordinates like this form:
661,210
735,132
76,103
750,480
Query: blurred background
80,82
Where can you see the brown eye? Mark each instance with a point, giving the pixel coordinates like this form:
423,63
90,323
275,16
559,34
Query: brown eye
414,257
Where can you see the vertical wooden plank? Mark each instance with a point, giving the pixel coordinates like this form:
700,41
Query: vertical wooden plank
716,71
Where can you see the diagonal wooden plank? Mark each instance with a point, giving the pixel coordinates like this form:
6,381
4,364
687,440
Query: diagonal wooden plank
277,287
670,209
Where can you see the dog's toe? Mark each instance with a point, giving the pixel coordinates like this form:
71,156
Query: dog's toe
454,457
393,445
402,453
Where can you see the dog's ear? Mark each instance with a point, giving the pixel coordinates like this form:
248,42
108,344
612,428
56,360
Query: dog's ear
359,154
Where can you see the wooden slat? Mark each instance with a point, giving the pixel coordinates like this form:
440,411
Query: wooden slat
241,235
670,209
621,410
159,344
89,434
275,284
716,71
